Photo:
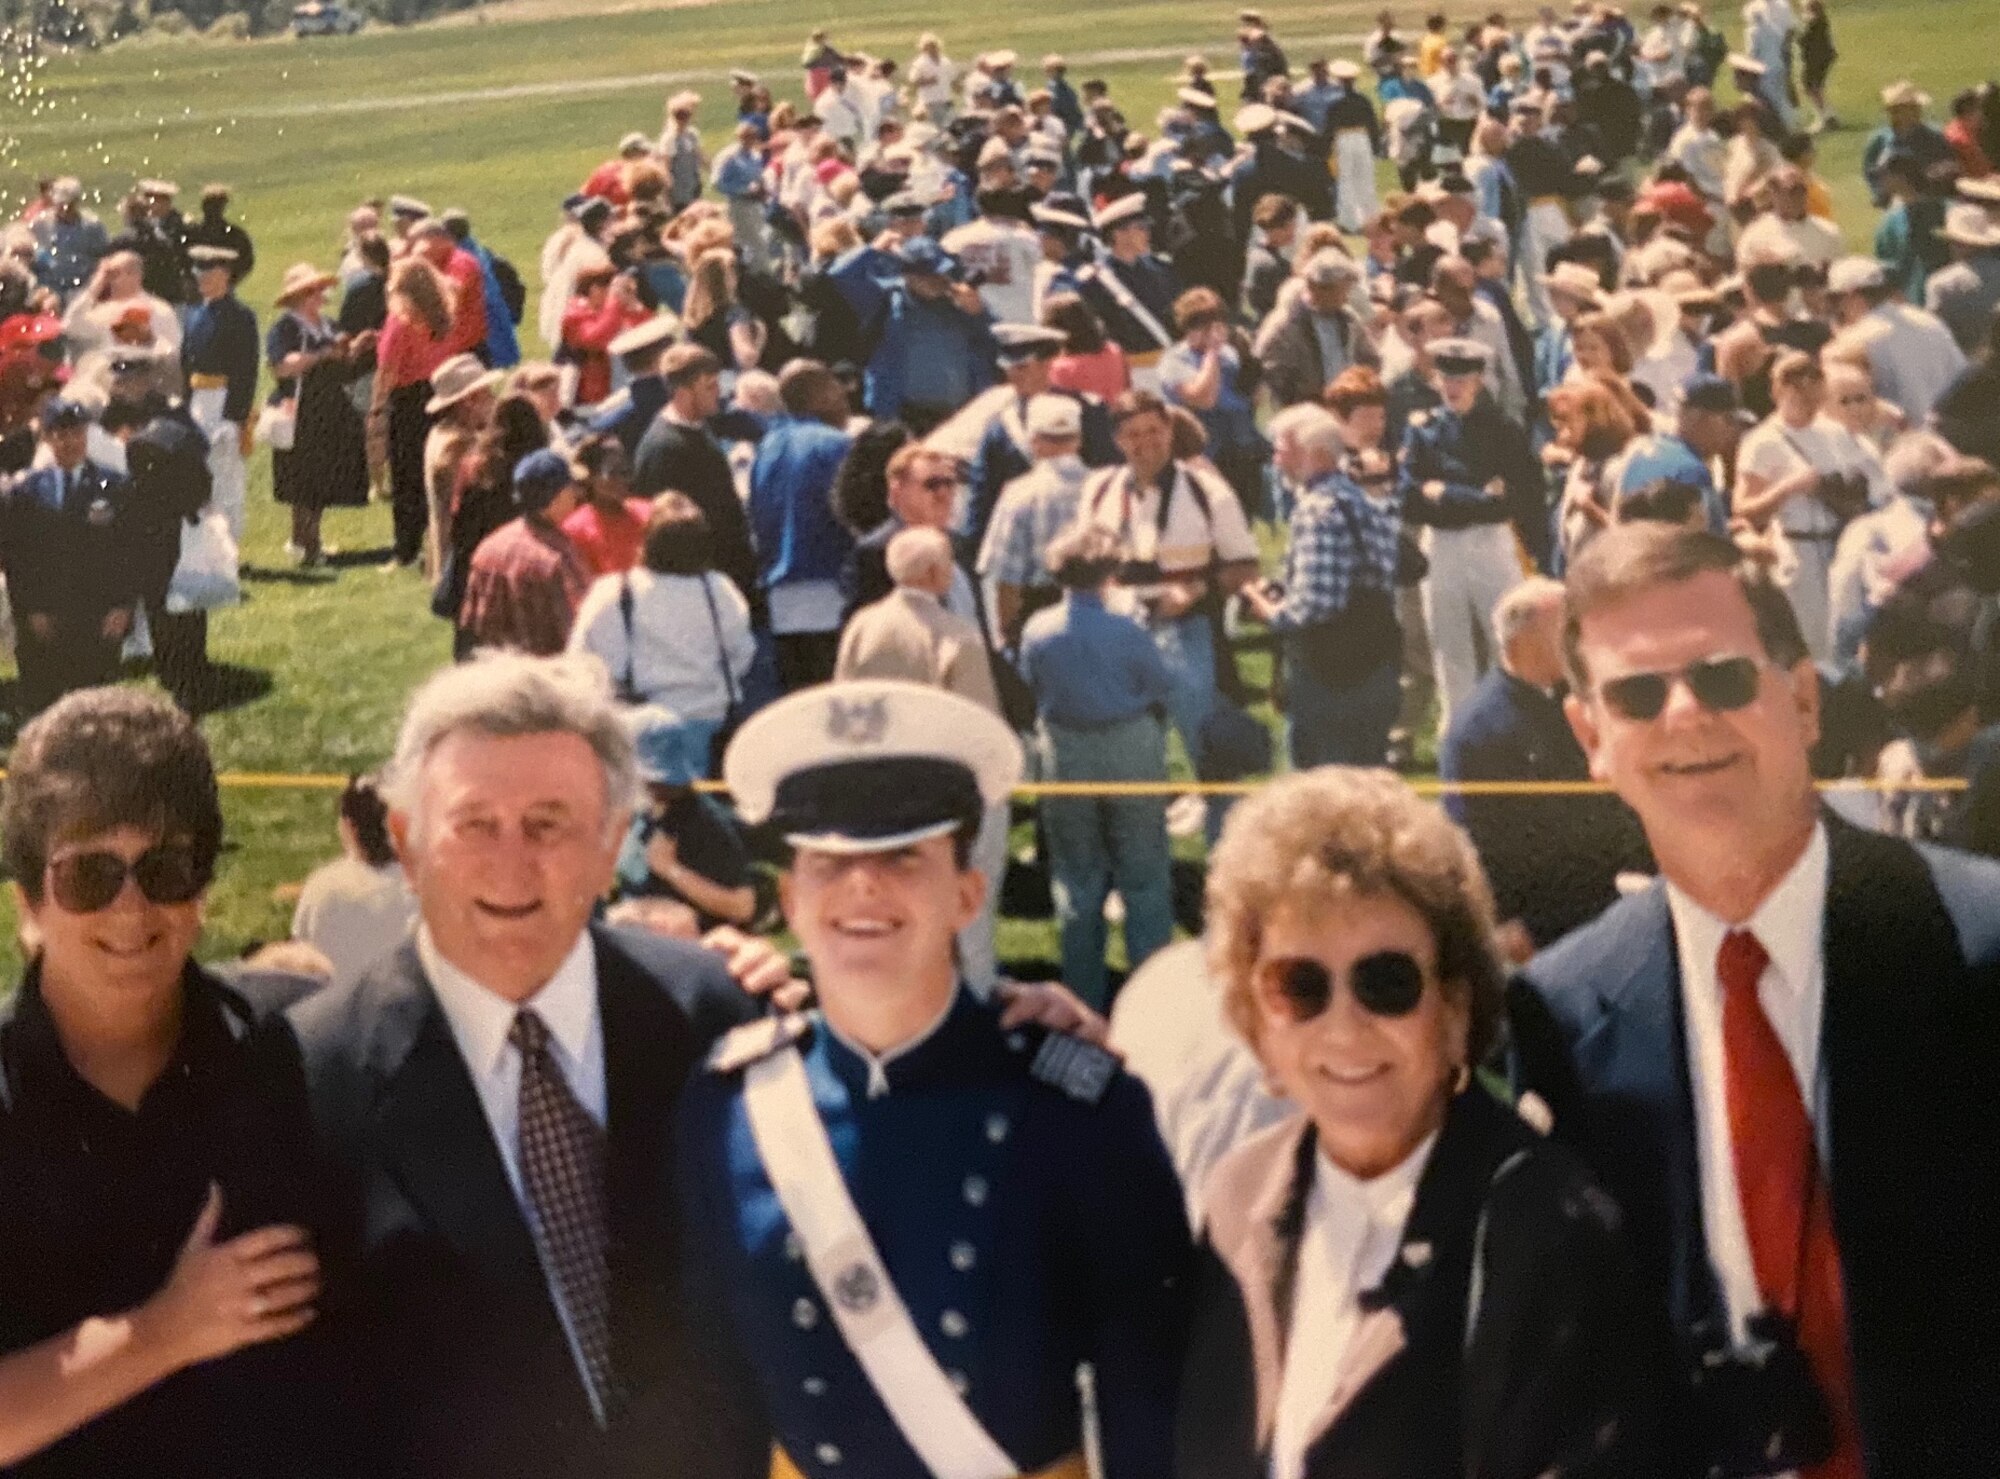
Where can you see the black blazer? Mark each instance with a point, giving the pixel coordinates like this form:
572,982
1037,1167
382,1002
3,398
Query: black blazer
435,1292
1907,1044
1554,1368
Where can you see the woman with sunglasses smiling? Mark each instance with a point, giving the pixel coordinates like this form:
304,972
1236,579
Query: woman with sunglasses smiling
1403,1279
152,1257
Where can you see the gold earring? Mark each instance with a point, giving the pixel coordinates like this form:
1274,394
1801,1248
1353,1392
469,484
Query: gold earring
1462,1080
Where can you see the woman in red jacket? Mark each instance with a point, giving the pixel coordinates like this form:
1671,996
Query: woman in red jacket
414,342
606,305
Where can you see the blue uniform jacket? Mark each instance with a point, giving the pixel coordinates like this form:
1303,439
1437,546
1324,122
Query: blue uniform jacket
221,339
69,557
791,515
1465,453
893,378
1026,1229
627,413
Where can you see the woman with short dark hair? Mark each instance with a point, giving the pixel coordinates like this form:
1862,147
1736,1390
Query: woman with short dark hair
153,1243
675,632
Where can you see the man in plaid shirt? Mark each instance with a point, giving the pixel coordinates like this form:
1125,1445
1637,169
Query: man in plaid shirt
1033,509
527,578
1343,540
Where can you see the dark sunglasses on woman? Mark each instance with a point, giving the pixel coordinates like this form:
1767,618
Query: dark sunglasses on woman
1388,983
86,882
1720,684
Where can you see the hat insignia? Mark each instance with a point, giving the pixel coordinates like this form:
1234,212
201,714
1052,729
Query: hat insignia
860,722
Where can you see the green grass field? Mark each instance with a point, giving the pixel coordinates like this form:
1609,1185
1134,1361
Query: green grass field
303,130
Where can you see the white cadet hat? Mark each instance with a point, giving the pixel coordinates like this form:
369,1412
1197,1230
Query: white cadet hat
1856,275
1738,62
655,330
1254,118
1576,280
1122,211
1344,71
1460,356
870,765
1054,416
1972,226
1195,97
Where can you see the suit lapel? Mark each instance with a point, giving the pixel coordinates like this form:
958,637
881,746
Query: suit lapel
437,1142
1637,1053
1256,1237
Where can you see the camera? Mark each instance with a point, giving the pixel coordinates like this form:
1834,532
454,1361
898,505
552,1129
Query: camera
1757,1409
1845,493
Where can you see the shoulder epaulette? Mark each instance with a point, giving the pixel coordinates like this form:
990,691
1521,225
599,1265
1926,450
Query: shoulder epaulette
741,1046
1080,1069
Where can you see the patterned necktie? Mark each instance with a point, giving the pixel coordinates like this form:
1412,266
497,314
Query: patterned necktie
1792,1246
563,1156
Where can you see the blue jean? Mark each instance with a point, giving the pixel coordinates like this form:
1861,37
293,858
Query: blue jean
1188,645
1341,726
1100,843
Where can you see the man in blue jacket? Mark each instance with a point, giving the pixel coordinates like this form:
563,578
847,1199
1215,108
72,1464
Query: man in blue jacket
936,349
801,547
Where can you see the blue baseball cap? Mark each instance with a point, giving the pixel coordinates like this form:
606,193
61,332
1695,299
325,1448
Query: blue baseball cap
63,414
921,254
540,477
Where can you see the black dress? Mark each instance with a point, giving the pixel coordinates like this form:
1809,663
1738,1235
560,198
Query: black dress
327,466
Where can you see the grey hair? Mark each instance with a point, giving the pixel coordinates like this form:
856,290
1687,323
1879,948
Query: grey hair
1312,427
504,694
917,554
1515,611
1912,460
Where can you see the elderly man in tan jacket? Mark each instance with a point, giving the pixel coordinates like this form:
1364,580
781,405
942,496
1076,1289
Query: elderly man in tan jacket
909,634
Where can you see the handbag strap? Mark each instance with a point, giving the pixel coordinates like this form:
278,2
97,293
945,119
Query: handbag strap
629,685
721,653
1361,566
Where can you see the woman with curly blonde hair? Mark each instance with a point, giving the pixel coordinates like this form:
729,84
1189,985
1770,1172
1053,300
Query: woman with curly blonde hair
1401,1276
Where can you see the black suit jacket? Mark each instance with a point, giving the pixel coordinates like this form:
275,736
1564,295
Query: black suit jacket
1554,1367
1912,961
74,561
435,1293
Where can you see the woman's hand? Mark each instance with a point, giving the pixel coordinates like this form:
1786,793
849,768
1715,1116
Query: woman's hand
222,1297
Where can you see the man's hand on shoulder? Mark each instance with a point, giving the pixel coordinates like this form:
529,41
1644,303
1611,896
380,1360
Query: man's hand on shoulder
758,966
1052,1005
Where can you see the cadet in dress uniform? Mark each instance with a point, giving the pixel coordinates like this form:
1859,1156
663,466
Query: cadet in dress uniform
1131,289
628,411
1355,134
914,1225
1468,479
219,357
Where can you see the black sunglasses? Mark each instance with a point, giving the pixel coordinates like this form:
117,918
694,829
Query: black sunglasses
86,882
940,485
1387,984
1720,684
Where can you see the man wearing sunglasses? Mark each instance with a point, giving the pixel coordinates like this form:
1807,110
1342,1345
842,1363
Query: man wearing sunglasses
1778,1055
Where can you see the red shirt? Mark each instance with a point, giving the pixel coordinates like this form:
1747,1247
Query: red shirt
407,353
468,314
608,182
1103,374
609,542
523,588
587,333
1964,140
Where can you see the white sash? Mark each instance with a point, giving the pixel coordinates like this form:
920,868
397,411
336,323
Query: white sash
850,1275
1126,299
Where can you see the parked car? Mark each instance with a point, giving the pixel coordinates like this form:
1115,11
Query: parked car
321,19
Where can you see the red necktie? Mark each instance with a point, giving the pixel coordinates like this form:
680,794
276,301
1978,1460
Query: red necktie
1777,1168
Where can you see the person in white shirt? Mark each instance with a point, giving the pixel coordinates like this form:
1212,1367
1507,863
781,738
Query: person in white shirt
1879,549
1005,251
1351,932
1910,354
356,909
1802,475
1785,232
673,631
1697,148
934,78
839,110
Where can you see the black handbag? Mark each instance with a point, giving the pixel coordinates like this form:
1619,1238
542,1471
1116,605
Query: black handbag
1361,636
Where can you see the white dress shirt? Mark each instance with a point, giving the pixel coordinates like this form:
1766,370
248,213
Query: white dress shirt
1352,1229
1793,993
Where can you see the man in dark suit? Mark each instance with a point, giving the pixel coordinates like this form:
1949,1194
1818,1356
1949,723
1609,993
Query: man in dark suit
1779,1057
63,546
1553,860
495,1103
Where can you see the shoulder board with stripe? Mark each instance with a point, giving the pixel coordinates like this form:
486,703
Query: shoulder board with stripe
738,1048
1080,1069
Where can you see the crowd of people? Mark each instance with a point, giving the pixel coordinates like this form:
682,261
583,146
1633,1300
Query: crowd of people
946,428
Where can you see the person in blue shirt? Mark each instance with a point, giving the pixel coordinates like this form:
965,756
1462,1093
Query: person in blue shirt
220,354
1063,101
801,546
1101,690
502,349
1204,372
1709,427
1906,239
1405,83
908,1220
935,350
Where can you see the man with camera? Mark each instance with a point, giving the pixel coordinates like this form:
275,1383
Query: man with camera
935,349
1777,1055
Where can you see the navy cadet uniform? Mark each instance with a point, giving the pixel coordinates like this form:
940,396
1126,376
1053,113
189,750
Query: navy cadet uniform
1013,1183
1469,534
1004,453
629,410
65,547
1134,299
220,356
